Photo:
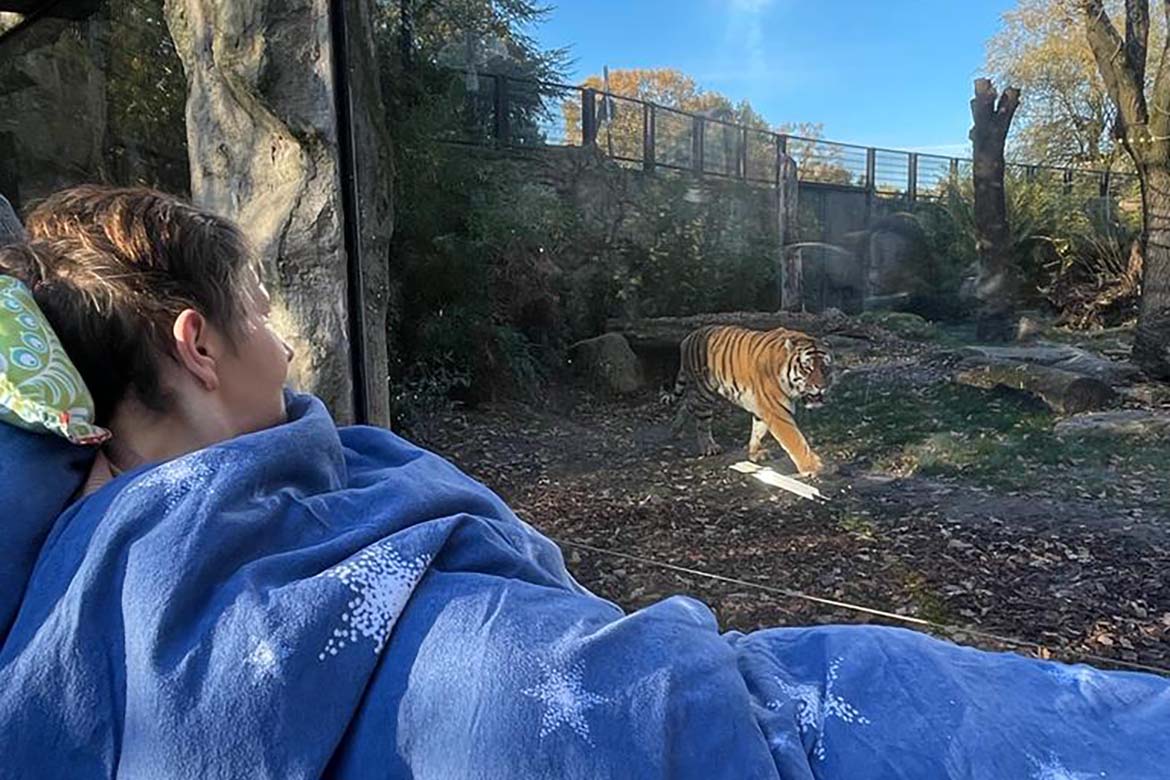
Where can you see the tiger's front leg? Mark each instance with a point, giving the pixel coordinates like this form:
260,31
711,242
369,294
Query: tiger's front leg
783,429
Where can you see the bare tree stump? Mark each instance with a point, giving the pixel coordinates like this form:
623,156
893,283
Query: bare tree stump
998,284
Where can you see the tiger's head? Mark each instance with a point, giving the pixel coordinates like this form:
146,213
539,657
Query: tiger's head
806,375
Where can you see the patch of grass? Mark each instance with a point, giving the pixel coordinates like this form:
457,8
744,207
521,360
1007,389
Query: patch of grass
858,525
872,421
905,325
1001,440
928,604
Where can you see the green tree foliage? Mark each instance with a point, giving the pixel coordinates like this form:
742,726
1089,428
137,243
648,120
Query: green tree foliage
475,309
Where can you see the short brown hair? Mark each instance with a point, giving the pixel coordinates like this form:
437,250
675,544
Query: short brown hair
113,267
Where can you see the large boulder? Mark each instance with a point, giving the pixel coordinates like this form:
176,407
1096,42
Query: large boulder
608,362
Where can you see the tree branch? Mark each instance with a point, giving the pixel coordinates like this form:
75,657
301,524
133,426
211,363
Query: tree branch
1009,101
1110,53
991,116
1160,96
1137,34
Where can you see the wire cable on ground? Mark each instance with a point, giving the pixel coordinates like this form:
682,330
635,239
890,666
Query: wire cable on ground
794,594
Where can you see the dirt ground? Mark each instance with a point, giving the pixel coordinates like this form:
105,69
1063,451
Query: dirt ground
952,505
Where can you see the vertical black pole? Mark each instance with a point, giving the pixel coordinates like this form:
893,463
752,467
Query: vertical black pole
588,117
697,144
351,226
743,145
501,128
912,184
648,132
870,182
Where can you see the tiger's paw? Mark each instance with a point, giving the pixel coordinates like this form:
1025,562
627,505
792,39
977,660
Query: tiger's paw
828,470
814,468
709,448
759,456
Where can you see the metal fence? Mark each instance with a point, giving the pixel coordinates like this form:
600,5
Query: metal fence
515,112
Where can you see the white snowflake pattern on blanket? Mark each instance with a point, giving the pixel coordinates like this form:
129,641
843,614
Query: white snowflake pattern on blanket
813,709
179,478
382,582
561,690
1054,769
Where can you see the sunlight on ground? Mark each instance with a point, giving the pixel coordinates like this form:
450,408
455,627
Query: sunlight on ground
769,476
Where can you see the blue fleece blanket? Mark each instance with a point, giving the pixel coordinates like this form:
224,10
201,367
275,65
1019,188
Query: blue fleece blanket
306,601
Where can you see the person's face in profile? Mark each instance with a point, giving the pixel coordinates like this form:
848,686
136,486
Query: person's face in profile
253,374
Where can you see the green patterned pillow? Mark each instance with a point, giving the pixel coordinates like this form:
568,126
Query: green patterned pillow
40,389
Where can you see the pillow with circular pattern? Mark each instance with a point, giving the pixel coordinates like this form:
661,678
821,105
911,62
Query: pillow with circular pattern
40,389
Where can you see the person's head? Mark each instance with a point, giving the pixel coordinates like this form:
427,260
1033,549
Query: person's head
158,303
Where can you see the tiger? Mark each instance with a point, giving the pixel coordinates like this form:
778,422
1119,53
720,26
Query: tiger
764,373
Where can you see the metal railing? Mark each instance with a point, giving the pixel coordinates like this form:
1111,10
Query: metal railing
515,112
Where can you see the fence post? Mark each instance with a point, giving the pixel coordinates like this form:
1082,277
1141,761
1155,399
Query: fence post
954,170
1104,185
501,108
912,184
870,182
648,121
588,116
743,146
1068,181
697,132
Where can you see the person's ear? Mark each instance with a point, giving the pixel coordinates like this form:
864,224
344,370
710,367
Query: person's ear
196,347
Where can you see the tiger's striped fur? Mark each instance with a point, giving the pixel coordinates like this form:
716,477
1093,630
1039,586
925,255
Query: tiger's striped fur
764,373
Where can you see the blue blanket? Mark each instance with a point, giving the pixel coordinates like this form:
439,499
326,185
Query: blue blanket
307,601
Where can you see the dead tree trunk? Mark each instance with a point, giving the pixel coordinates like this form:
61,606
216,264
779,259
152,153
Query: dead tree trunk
1063,391
998,286
1151,347
1143,128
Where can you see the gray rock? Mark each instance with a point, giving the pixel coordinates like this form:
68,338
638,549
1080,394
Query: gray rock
1121,422
607,361
1064,357
1147,393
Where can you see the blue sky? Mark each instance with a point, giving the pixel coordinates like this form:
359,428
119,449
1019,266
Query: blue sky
895,74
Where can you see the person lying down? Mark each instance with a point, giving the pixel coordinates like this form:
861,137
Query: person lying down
243,589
